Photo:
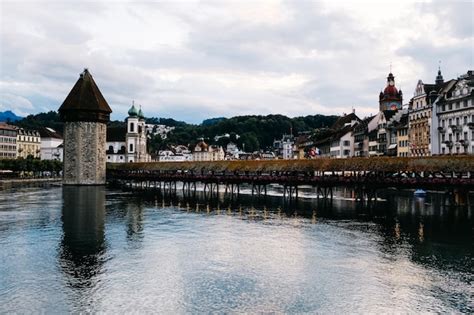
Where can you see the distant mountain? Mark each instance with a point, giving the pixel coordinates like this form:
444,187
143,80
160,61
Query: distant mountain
9,116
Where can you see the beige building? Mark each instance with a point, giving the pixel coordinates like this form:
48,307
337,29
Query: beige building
204,152
403,140
419,118
8,145
28,143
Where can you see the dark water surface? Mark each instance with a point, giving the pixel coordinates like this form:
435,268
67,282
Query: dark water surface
92,249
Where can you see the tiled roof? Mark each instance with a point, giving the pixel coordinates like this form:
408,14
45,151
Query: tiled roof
46,132
85,97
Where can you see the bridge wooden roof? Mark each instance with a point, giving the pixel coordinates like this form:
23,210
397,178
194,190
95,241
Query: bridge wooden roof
388,164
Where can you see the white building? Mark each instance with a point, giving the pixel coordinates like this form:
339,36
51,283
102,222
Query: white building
161,130
170,156
128,144
51,144
453,121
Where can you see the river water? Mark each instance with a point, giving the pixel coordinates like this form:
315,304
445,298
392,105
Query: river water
92,249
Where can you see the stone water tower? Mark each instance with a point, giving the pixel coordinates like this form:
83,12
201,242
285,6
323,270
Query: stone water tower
85,113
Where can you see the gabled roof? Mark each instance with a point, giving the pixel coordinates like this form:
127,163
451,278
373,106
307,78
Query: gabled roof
85,97
362,126
46,132
341,121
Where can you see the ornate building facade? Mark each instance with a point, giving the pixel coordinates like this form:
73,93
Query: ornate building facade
419,116
453,122
28,143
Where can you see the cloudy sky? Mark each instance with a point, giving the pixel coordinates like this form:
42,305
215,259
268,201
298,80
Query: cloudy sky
192,60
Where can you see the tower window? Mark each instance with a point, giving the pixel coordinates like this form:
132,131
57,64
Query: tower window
132,127
131,147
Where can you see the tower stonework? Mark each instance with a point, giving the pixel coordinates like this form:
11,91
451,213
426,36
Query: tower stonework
85,113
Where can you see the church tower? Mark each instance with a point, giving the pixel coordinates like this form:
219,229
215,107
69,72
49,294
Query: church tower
390,98
85,113
136,136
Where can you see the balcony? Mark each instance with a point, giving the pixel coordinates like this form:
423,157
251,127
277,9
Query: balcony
464,143
455,128
441,129
448,143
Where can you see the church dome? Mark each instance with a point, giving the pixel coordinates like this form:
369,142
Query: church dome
390,90
132,112
140,114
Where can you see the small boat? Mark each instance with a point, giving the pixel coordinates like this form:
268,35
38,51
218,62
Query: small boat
419,193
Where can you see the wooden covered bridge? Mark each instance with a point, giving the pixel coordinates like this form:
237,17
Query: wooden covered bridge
454,175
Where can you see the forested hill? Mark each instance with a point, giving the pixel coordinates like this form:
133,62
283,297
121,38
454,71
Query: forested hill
257,132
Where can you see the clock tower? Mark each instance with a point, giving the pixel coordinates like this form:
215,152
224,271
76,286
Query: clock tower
391,98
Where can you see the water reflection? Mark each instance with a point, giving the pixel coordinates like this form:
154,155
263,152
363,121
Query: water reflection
83,244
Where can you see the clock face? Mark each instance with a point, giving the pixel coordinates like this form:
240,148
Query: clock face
393,107
391,83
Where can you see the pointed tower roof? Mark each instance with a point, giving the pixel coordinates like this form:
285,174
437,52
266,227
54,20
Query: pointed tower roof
439,78
85,102
132,112
140,114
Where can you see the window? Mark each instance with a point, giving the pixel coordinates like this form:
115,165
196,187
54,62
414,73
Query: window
132,127
111,149
443,108
465,120
450,106
131,147
458,105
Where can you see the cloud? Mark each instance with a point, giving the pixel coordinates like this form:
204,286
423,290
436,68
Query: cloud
198,59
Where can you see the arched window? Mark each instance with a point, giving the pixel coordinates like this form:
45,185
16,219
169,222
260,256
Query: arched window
131,147
132,127
111,148
122,149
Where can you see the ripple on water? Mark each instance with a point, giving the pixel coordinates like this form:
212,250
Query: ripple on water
127,254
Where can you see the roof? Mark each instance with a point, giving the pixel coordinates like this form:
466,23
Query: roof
362,126
341,121
116,134
5,126
388,114
85,100
46,132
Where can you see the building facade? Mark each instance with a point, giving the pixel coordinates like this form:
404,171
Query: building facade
454,117
204,152
419,117
8,141
28,143
51,146
129,143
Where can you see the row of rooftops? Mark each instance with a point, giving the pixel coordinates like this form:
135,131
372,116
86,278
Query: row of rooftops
43,132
